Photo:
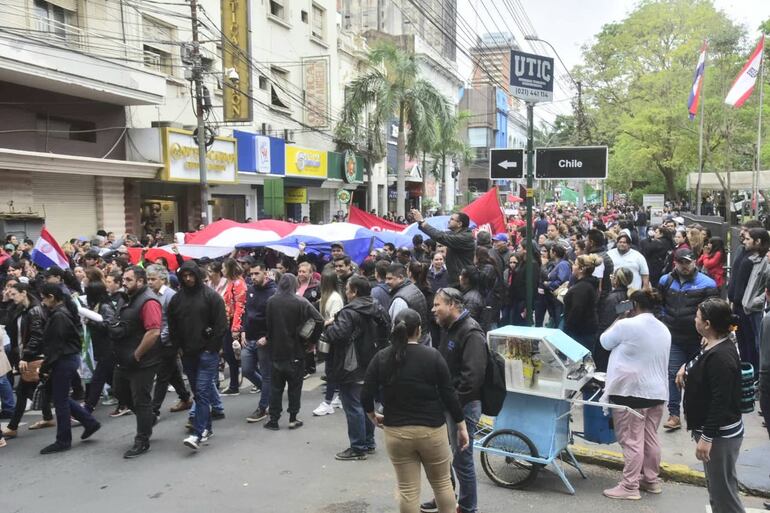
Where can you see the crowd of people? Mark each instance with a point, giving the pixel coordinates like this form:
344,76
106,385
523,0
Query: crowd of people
402,335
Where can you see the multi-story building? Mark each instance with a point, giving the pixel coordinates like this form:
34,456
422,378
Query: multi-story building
98,111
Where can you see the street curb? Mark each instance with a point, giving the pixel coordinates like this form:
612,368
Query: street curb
669,471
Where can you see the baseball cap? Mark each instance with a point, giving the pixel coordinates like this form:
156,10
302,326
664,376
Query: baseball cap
247,259
337,245
684,255
501,237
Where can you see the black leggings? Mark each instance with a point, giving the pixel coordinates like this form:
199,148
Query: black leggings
25,391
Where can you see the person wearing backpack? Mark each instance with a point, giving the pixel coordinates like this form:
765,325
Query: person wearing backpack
355,335
464,347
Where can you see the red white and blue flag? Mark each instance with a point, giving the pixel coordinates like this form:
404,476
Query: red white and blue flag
697,84
48,253
744,82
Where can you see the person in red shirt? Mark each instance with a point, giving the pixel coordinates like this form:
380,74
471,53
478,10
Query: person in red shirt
712,260
138,354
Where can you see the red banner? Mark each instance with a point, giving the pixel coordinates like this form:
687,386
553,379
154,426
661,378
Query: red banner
486,210
371,221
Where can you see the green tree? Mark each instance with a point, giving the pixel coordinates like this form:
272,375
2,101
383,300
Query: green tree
392,88
637,78
447,145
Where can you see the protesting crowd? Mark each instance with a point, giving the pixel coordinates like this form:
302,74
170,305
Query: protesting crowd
402,338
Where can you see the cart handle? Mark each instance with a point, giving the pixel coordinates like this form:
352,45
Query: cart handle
609,405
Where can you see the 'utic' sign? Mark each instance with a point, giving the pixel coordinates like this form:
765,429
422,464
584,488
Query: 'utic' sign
531,77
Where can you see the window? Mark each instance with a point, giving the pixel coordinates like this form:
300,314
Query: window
278,9
319,22
157,60
263,82
303,15
477,137
56,20
158,50
279,88
62,128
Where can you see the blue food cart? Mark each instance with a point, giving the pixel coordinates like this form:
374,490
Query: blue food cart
545,373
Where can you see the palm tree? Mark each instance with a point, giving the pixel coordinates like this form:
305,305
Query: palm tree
392,89
448,145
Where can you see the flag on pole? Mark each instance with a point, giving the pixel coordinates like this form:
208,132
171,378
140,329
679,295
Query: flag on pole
697,84
47,252
744,82
486,210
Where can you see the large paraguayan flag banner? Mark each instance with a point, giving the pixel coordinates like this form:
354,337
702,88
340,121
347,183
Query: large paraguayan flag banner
744,82
697,84
48,253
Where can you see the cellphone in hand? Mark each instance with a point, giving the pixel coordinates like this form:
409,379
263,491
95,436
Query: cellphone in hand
623,307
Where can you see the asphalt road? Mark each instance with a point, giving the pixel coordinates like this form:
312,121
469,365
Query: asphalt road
246,468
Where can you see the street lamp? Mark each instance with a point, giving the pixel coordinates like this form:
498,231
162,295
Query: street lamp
535,38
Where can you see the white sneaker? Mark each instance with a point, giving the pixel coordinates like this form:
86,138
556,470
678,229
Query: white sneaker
206,435
337,402
192,441
323,409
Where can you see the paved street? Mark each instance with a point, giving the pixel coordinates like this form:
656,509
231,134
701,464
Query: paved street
246,468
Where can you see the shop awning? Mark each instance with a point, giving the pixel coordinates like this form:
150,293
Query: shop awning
40,162
738,180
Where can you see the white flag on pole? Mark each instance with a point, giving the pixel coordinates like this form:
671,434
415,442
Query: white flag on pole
744,82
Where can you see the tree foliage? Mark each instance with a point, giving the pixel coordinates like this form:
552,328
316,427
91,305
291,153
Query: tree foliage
637,78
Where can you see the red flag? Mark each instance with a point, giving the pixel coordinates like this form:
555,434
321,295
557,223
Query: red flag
371,221
135,255
486,210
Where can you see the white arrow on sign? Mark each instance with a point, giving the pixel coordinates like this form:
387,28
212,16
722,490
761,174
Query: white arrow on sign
505,164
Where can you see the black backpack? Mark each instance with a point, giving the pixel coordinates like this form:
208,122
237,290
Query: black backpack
493,389
378,328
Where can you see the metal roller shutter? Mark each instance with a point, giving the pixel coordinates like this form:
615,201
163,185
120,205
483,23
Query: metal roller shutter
69,204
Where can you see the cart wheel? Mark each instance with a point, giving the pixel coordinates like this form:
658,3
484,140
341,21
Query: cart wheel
509,471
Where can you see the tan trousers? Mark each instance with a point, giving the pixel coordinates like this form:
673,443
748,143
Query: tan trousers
414,447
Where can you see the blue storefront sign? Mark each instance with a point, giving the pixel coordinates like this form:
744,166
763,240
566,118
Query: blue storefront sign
260,154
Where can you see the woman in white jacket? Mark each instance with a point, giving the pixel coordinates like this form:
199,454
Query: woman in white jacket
637,377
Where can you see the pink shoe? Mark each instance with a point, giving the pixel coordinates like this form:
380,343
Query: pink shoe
655,487
620,492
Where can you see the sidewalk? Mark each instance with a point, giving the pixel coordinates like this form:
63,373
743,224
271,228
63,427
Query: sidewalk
679,462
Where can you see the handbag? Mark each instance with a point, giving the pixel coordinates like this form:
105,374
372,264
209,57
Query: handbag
307,329
32,374
38,397
561,291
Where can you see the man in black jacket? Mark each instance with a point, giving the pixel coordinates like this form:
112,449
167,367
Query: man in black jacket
197,323
359,323
405,294
458,240
286,314
261,290
463,346
138,354
597,243
682,290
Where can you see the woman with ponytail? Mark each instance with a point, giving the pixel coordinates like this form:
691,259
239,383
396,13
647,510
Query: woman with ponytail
416,390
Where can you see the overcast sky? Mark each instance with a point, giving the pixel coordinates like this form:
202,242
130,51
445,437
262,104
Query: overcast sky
570,24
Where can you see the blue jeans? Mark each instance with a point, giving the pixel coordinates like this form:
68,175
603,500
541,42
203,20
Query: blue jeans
249,362
462,461
360,428
63,373
202,373
678,356
7,400
266,368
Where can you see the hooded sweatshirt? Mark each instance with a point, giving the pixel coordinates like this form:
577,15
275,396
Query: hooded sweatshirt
197,320
256,309
286,314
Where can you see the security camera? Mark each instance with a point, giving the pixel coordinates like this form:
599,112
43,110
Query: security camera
232,75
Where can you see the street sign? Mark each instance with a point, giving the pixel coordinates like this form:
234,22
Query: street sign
531,77
571,162
506,163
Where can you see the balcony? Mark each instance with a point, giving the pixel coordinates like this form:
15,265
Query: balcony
54,56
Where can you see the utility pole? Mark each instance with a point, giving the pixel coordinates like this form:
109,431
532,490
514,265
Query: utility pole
197,76
530,271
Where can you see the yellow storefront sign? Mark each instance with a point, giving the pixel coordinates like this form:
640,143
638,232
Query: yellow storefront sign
305,162
180,158
295,195
236,55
